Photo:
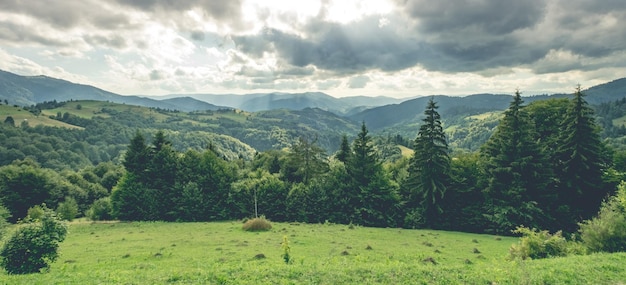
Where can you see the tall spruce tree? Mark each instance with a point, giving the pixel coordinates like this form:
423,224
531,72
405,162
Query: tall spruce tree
581,166
376,198
136,157
429,167
517,171
345,152
161,173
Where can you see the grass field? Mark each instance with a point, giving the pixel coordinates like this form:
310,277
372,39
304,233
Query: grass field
221,253
19,115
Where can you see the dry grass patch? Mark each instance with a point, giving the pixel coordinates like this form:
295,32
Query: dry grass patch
257,225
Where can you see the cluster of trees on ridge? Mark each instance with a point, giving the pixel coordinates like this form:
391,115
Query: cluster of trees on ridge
545,167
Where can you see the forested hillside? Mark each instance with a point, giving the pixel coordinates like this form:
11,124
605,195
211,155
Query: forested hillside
541,164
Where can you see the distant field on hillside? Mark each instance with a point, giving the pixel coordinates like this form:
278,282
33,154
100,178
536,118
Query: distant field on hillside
221,253
19,115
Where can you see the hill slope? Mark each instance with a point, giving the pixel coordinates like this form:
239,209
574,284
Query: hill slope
30,90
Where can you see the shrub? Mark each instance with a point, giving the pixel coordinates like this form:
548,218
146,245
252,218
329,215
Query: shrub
35,213
257,225
100,210
33,246
536,244
607,231
4,216
68,210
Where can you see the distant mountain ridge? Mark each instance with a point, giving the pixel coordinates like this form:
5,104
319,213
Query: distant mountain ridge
411,110
293,101
377,112
30,90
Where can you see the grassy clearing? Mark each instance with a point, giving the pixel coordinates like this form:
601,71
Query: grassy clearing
406,152
222,253
486,115
19,115
620,121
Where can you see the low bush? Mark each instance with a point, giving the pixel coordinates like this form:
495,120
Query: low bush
257,225
34,245
68,209
100,210
607,231
536,244
35,213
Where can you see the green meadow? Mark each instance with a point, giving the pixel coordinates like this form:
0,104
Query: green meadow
222,253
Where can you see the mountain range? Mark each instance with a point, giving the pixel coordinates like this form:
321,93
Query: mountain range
377,112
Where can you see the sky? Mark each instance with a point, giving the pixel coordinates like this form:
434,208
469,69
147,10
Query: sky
396,48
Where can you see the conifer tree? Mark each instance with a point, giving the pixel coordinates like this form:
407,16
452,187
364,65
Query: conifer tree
373,196
345,152
517,172
429,167
581,162
161,177
136,157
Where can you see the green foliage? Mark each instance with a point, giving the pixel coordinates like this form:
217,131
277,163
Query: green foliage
429,169
372,197
305,161
260,192
35,213
4,216
581,163
9,121
535,244
345,152
517,172
607,231
257,225
68,209
100,210
33,246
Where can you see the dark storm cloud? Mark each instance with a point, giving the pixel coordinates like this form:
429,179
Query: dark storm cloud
221,10
67,14
495,17
471,35
331,46
453,36
16,33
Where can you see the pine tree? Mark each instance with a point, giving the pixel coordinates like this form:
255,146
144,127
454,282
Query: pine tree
517,171
345,152
581,163
429,167
161,175
372,195
137,155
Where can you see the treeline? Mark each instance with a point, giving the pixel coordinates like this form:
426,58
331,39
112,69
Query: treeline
544,167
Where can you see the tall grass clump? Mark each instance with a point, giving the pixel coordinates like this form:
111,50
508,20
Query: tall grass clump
607,231
257,225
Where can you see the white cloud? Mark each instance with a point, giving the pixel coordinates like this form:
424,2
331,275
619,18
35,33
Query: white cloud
344,47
